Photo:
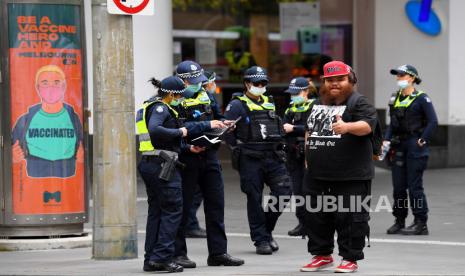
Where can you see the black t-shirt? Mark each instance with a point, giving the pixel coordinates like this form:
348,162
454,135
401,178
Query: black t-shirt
339,157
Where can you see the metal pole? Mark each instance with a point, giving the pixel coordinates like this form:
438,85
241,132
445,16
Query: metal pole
114,184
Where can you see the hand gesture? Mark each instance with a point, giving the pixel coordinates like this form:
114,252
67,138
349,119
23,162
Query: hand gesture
17,152
340,127
184,131
197,149
217,124
288,128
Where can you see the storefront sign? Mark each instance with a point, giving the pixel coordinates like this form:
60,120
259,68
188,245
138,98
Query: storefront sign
46,91
298,18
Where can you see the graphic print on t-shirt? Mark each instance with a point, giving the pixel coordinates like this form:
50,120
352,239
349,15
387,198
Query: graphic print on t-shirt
321,118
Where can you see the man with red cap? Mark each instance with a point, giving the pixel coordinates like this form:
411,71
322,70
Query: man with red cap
338,151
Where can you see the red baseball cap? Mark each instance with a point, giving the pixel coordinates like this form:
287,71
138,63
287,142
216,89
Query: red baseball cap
335,68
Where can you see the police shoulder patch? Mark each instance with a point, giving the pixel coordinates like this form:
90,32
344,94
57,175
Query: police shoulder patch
428,100
228,107
160,109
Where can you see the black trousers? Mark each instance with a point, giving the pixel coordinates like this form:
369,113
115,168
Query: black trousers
350,224
255,172
203,170
296,168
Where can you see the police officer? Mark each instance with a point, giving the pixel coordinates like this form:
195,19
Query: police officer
295,118
193,229
203,169
160,133
256,144
413,120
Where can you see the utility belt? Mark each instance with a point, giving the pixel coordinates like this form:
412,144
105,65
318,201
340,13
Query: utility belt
169,162
402,136
275,150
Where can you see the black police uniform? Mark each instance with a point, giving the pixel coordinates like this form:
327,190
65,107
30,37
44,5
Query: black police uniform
202,169
412,118
297,115
260,162
164,197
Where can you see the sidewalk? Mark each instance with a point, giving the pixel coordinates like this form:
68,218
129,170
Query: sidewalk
440,253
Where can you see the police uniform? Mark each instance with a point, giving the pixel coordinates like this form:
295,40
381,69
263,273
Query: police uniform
256,144
202,169
413,119
297,115
159,132
193,228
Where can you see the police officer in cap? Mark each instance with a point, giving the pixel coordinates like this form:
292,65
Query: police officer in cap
193,229
257,154
160,135
203,169
295,119
413,121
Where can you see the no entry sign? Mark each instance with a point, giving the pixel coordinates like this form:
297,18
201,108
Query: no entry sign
131,7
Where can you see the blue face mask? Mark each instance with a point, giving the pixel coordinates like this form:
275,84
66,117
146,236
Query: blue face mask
194,88
297,99
403,84
175,102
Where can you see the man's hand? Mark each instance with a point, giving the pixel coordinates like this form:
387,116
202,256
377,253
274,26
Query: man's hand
231,124
17,152
217,124
288,128
197,149
184,131
340,127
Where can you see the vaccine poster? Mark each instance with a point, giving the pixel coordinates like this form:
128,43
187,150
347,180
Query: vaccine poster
46,86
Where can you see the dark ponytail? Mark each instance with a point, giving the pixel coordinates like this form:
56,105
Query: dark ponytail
157,85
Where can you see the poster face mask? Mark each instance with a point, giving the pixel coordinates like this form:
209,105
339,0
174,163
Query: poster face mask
51,94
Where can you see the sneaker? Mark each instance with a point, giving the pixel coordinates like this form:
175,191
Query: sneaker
318,263
346,267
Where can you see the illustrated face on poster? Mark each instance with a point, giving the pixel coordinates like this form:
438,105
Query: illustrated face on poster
46,91
49,135
321,119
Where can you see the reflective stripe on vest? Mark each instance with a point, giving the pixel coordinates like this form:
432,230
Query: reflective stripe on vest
266,105
407,101
300,108
145,143
201,99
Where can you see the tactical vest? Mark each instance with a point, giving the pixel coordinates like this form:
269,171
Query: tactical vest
198,108
262,124
145,143
403,120
298,112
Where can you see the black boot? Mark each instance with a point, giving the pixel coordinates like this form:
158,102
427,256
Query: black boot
297,231
185,262
263,248
396,227
274,245
418,227
224,259
167,266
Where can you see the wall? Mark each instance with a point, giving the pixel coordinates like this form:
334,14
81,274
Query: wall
398,42
153,47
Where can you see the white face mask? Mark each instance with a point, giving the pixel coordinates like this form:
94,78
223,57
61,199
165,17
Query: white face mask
257,91
403,84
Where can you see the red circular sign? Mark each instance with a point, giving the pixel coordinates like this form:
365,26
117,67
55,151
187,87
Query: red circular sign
131,10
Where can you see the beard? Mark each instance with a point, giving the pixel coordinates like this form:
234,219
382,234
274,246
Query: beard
329,97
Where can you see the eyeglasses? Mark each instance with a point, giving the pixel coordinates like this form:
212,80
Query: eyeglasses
258,83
